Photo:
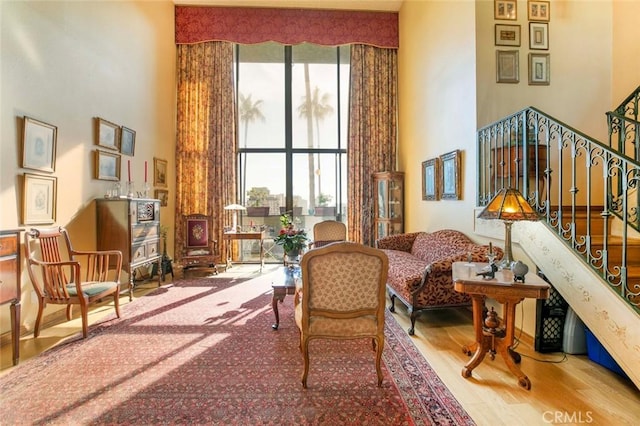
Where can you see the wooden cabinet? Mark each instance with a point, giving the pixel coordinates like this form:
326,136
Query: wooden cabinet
10,283
131,225
388,203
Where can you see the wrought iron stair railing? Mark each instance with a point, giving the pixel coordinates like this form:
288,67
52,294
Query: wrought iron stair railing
586,192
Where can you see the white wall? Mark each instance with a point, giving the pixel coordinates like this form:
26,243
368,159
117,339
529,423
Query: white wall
65,63
437,106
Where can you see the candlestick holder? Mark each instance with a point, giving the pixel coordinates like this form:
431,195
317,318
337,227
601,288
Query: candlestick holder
130,189
146,190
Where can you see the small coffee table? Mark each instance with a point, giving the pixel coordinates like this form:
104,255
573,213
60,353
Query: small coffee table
291,277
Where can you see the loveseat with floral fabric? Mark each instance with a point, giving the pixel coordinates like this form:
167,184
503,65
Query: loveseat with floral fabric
420,268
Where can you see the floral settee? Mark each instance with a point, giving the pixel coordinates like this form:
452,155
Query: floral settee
420,268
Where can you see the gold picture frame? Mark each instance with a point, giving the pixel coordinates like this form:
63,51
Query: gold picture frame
163,196
39,199
450,180
159,172
107,165
107,134
539,11
39,145
505,10
431,179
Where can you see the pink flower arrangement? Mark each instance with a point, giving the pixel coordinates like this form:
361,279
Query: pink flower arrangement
291,239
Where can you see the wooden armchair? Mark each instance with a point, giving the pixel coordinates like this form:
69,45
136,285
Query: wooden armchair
200,251
59,278
343,297
327,232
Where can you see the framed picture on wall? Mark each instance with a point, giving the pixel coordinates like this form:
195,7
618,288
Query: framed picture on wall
430,179
160,172
127,141
39,199
538,11
107,165
107,134
507,68
538,36
39,145
163,196
539,69
507,35
505,9
450,186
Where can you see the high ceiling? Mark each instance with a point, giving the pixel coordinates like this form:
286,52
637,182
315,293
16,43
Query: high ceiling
377,5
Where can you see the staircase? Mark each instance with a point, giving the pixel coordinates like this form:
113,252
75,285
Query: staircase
586,192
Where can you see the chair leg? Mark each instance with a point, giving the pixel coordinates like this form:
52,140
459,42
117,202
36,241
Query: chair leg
116,302
36,328
69,312
379,344
305,356
85,320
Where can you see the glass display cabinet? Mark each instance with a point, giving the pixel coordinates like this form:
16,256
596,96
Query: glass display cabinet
389,203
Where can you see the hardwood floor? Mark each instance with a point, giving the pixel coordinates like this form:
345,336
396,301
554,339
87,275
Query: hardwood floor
571,390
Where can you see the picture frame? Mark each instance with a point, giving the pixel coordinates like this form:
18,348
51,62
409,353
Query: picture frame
159,172
39,199
39,141
507,35
505,10
430,179
507,66
538,11
539,69
538,36
127,141
107,165
450,179
163,196
107,134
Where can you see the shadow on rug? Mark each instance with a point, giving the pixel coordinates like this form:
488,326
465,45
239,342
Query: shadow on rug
204,352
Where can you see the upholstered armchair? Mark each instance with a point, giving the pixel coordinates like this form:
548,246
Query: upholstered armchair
343,297
58,276
327,232
200,250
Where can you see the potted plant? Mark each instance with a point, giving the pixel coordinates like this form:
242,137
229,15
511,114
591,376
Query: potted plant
257,197
323,209
292,239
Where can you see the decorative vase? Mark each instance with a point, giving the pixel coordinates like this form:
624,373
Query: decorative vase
292,256
519,270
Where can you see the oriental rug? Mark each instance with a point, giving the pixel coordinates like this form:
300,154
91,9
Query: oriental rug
203,351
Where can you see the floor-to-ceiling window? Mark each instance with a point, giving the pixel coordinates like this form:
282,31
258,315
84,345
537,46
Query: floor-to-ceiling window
292,135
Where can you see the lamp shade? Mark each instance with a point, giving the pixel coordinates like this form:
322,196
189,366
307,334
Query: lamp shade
235,207
509,204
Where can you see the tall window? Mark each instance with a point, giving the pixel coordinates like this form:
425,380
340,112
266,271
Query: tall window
292,111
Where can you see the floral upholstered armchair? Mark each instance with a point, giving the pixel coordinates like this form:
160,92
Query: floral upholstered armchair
343,297
327,232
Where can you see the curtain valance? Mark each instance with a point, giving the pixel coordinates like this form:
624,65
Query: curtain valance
196,24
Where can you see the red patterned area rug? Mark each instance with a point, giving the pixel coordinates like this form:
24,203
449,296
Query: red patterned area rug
203,352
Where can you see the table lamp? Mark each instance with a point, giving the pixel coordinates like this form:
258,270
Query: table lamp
509,206
235,208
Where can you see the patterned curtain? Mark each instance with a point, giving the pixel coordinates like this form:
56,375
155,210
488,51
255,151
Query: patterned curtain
206,136
372,132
